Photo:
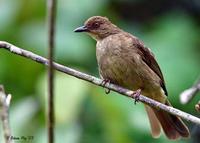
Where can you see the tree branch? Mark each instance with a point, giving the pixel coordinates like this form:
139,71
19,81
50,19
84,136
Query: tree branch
51,6
4,109
187,95
98,82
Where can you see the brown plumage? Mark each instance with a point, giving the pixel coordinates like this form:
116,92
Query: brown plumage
124,60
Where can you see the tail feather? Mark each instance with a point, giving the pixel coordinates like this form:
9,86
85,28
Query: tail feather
179,124
167,124
155,124
173,126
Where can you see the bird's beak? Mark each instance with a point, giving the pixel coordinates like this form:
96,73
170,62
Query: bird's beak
81,29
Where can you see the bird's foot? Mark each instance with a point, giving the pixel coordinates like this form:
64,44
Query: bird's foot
104,82
136,95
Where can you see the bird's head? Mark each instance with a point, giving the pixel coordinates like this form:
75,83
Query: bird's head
98,27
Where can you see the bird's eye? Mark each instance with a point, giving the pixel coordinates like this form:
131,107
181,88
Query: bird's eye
95,25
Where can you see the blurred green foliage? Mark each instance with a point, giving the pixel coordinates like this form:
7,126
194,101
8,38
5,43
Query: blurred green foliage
84,114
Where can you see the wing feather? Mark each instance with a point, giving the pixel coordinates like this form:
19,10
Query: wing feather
149,59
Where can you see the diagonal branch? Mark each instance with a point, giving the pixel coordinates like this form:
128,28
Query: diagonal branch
4,115
97,81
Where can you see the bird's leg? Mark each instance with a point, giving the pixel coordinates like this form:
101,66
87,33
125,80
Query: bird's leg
136,95
104,82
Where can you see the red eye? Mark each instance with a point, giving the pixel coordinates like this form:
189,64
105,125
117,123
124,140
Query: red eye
95,25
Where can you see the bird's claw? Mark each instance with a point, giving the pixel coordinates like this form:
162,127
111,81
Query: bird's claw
107,91
104,82
136,95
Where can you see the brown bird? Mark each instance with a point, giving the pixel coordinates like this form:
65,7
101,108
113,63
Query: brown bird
124,60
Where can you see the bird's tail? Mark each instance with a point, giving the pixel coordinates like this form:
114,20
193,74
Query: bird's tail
173,126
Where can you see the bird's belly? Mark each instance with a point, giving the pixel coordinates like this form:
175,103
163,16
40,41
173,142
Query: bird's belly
120,72
131,75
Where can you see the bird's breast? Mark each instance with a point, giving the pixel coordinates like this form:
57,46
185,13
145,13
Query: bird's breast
116,64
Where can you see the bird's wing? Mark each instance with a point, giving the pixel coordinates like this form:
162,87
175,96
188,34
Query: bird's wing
148,58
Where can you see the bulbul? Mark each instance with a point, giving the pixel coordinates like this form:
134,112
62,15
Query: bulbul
124,60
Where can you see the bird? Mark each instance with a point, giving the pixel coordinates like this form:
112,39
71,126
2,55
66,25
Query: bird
123,59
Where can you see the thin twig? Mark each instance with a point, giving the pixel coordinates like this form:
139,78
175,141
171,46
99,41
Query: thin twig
4,114
97,81
51,43
187,95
